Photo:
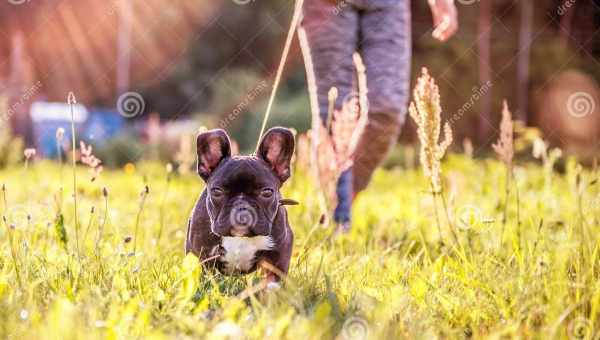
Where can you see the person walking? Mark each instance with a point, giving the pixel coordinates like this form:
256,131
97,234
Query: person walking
380,31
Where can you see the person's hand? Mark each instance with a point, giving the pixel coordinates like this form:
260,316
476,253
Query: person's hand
445,19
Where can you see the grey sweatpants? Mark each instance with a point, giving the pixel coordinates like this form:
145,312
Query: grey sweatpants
331,32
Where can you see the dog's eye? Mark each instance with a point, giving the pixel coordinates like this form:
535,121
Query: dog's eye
216,192
267,193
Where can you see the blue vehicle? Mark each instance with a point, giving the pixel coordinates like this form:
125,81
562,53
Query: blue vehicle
95,126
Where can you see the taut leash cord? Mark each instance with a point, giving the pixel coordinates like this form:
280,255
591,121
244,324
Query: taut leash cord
286,51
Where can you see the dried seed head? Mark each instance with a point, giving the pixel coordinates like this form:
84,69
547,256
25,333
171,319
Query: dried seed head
540,149
146,190
29,153
426,111
92,210
504,146
71,98
104,192
60,134
127,239
333,94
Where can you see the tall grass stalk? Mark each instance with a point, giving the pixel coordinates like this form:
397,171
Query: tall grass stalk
89,225
507,181
72,101
435,209
580,187
426,111
46,237
29,154
518,198
450,224
101,228
143,196
505,150
4,201
13,251
581,258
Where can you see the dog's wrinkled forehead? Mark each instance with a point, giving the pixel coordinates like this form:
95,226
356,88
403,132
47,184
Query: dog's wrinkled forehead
243,173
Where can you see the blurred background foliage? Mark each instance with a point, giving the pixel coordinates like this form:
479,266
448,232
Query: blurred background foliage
242,46
223,55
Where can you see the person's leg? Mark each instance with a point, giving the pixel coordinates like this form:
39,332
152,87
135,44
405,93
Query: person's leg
329,37
386,50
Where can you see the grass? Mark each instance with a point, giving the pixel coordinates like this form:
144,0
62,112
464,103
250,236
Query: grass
390,277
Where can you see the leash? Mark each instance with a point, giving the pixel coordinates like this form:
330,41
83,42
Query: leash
286,51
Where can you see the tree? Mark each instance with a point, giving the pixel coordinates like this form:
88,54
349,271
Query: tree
484,28
524,54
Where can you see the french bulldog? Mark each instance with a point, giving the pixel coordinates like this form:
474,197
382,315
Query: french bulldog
240,218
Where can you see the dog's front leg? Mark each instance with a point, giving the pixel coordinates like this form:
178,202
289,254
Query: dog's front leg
276,269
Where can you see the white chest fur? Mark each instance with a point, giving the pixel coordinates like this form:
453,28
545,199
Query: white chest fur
240,252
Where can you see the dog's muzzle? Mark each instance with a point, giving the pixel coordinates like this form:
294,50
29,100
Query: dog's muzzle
242,217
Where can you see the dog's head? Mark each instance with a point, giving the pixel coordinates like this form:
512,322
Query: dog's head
242,192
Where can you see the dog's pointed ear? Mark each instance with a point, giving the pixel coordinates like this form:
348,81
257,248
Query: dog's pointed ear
212,147
276,148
